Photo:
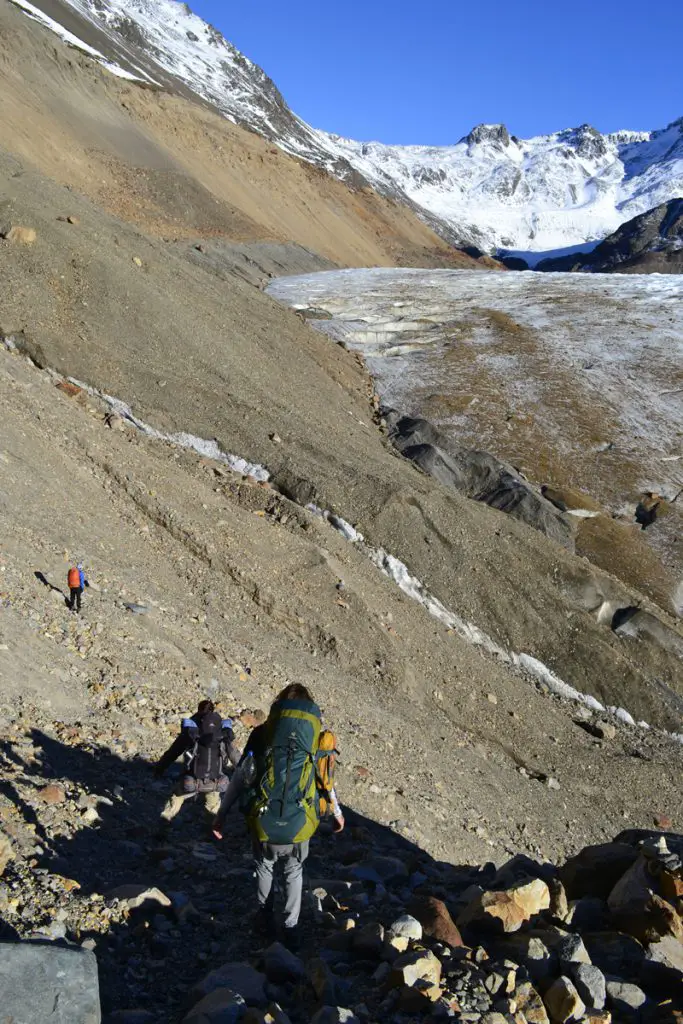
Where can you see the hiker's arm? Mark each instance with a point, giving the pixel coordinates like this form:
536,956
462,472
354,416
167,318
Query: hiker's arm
178,747
231,749
234,753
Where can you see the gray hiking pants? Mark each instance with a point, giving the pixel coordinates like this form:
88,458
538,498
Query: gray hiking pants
293,855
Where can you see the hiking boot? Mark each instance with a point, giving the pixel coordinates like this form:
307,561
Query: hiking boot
264,922
291,939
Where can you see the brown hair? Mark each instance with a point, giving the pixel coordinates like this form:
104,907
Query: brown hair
294,691
205,706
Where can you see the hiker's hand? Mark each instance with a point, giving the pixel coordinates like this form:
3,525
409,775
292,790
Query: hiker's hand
217,829
339,823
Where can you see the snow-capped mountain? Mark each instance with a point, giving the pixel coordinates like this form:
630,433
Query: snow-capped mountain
490,189
548,192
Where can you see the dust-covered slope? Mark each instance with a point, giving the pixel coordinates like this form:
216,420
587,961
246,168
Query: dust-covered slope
205,583
201,584
218,359
177,168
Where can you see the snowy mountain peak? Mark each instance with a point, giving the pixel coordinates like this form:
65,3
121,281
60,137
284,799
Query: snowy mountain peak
495,134
490,189
586,141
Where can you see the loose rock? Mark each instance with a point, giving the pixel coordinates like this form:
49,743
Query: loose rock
563,1002
507,910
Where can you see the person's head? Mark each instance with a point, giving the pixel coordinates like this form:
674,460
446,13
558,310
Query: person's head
205,706
294,691
80,565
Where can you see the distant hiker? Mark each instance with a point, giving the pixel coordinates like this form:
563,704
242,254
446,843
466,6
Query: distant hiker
76,582
207,742
284,784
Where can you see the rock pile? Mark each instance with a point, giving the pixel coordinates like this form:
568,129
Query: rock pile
595,940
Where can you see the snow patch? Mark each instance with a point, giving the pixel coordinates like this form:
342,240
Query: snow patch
623,716
678,599
72,40
556,685
209,449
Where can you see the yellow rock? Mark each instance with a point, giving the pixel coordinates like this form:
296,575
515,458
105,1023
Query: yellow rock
21,235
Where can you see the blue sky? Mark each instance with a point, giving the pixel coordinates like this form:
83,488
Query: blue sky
406,71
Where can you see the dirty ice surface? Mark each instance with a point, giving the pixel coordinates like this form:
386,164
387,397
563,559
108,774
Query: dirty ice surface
570,370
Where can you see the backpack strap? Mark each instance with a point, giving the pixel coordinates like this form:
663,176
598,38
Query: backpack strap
192,729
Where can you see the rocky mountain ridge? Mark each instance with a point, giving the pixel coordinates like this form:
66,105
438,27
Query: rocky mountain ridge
650,242
491,189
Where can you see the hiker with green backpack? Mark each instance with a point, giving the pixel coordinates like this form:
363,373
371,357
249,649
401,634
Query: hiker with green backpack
283,783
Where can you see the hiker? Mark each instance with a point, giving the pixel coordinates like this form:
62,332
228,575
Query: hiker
207,742
76,582
284,784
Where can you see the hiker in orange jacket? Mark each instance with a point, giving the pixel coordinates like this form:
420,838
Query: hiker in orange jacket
76,581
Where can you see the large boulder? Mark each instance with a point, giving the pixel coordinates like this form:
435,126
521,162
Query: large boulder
237,977
597,869
281,966
48,983
220,1007
322,981
506,910
406,927
530,951
625,998
667,951
409,431
418,967
590,984
638,908
530,1004
615,952
368,941
563,1002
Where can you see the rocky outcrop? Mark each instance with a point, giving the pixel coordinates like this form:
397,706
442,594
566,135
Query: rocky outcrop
478,475
496,134
649,243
